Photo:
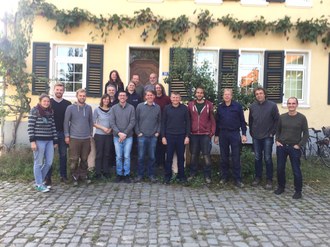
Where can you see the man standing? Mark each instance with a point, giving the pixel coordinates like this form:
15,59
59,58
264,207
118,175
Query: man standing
152,81
263,118
59,105
122,121
139,88
175,134
291,135
147,128
162,100
78,130
202,129
230,120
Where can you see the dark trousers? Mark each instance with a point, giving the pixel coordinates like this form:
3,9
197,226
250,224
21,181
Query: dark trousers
112,152
102,158
79,151
62,151
200,144
175,143
160,152
230,142
282,153
263,149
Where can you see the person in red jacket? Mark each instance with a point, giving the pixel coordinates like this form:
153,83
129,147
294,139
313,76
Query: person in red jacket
202,129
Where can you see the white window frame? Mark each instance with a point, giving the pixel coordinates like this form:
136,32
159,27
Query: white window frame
261,66
214,64
254,2
54,59
299,3
306,68
216,2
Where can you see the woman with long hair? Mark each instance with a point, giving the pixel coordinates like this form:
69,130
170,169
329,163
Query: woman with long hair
43,138
102,137
114,79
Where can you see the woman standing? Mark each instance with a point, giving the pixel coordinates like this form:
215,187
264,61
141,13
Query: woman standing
43,139
102,137
114,79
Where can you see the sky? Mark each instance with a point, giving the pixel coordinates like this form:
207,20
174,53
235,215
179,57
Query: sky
7,6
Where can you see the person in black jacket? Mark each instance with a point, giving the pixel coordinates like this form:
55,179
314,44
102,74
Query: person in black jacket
114,79
133,98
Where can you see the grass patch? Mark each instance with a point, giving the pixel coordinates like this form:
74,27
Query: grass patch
17,165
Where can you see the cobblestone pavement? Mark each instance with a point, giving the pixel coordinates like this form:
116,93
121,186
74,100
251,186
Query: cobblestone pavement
110,214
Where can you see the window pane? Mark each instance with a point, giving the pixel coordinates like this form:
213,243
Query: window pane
249,58
295,59
66,51
71,75
294,84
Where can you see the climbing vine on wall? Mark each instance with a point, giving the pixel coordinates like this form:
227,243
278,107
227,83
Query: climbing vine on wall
312,30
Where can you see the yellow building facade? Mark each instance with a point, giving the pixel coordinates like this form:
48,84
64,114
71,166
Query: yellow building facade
302,68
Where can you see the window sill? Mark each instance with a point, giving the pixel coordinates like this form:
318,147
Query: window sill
256,3
295,5
213,2
300,105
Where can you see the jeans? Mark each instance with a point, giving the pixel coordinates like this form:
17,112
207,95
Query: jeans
62,151
147,145
123,155
230,141
282,153
175,143
200,143
43,159
79,151
263,149
102,157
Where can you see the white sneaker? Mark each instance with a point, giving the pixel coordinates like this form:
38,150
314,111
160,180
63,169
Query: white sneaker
42,188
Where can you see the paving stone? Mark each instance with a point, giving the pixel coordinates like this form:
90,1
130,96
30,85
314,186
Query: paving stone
109,214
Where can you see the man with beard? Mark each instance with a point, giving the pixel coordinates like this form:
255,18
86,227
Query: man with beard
59,105
202,129
78,130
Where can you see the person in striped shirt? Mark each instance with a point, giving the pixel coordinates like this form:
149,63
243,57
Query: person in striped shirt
43,139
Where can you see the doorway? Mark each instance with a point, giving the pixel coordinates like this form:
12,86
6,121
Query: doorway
143,62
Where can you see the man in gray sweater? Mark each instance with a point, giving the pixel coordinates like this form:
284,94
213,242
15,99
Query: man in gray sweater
263,120
78,129
122,122
147,128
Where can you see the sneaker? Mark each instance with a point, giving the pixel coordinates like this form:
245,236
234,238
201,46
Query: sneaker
127,179
152,179
256,182
208,180
278,191
88,181
42,188
138,179
269,185
297,195
239,184
47,186
48,182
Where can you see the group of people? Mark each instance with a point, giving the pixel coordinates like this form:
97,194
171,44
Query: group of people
161,127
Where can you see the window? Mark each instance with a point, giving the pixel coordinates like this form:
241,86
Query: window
299,3
69,66
250,69
77,66
254,2
211,58
295,78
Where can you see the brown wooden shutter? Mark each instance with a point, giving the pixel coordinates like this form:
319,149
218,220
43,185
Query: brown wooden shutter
274,74
177,83
94,83
40,67
228,69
